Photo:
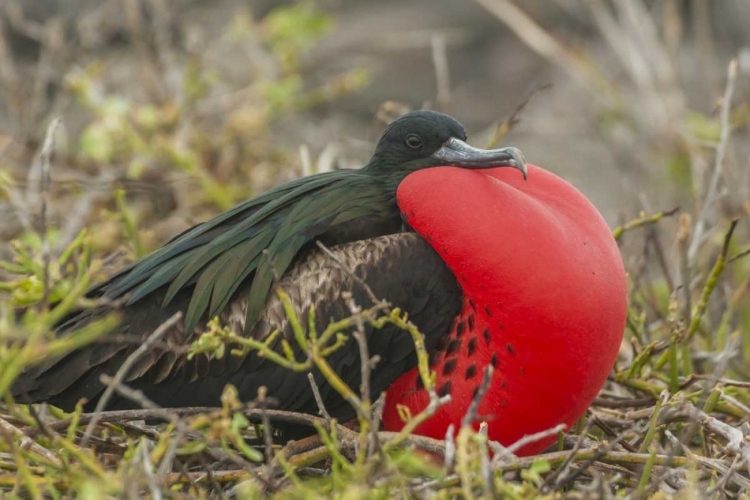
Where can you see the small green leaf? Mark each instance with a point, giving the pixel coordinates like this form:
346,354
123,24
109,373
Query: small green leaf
192,448
96,144
239,422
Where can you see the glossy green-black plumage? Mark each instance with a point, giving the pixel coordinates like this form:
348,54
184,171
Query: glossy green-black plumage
261,237
266,231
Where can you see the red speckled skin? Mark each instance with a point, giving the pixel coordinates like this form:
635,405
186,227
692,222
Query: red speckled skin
547,282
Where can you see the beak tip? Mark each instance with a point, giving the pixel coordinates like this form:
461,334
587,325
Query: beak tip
520,161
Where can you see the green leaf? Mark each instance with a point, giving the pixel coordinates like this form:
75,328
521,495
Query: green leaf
96,144
192,448
239,422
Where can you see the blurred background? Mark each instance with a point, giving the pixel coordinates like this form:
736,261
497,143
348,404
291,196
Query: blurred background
173,110
124,122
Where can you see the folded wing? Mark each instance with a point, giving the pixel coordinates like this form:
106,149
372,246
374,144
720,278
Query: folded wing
400,268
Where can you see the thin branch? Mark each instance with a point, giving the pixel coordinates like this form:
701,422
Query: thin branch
599,453
643,220
736,442
721,151
148,472
266,422
123,416
743,253
122,372
45,159
143,401
504,453
514,116
318,400
442,69
727,476
366,365
450,447
543,43
562,470
27,443
711,282
471,413
370,294
683,234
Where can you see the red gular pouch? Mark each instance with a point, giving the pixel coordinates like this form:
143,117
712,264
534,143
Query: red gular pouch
545,300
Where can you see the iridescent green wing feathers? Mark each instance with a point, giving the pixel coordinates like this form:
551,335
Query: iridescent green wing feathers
219,255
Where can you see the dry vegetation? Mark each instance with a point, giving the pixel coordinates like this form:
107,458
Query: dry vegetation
189,138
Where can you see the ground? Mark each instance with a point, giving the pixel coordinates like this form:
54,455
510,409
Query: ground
173,110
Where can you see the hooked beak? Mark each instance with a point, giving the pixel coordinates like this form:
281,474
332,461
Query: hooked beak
457,153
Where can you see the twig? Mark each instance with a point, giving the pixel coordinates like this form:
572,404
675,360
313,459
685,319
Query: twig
471,413
366,365
735,438
122,372
643,220
743,407
123,416
140,398
442,70
711,463
487,472
721,151
318,400
724,479
434,400
539,40
305,160
624,403
377,412
148,472
503,453
8,72
607,430
514,116
562,471
599,453
136,396
266,422
741,254
168,414
25,442
450,447
220,476
161,24
559,457
45,159
711,282
533,438
653,237
721,380
40,422
370,294
683,233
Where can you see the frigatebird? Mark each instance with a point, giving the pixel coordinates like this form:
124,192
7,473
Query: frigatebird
225,267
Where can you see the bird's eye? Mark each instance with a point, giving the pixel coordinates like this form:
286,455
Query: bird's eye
414,141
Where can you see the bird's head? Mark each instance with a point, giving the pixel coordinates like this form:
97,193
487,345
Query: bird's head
423,139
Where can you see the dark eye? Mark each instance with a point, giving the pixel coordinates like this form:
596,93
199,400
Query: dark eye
414,141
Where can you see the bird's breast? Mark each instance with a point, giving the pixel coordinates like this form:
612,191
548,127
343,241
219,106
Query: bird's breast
544,299
531,388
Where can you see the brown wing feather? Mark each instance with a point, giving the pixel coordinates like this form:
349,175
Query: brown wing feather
401,268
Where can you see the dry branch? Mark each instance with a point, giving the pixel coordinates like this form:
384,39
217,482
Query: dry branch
122,372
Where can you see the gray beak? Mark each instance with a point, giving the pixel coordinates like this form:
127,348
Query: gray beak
457,153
